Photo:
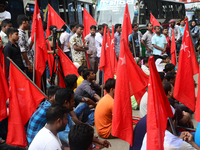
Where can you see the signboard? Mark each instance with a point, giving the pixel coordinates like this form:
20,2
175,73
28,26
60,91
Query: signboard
113,4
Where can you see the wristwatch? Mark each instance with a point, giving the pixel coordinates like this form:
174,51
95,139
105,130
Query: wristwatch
83,47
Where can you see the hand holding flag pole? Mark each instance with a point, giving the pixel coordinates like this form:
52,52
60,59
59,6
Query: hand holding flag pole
26,76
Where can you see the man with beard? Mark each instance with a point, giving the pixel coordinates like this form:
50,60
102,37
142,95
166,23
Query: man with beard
47,138
92,52
177,33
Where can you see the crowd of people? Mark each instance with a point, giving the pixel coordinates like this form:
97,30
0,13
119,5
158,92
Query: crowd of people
66,118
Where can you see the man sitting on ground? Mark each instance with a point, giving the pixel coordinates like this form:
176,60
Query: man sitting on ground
38,119
81,137
47,138
104,110
88,88
80,78
71,82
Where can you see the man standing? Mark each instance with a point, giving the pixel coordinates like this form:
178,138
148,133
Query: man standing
177,33
159,42
64,42
27,54
73,31
3,13
98,40
77,48
118,29
12,50
147,38
5,24
92,52
104,110
134,41
47,138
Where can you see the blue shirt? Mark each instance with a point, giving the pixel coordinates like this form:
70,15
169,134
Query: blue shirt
159,41
37,121
136,41
70,35
182,30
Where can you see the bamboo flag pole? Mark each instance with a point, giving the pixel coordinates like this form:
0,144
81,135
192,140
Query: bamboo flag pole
26,76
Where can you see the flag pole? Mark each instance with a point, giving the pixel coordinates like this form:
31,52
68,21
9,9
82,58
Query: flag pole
26,76
172,126
133,45
102,82
34,57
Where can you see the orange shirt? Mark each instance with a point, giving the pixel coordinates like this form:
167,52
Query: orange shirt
103,116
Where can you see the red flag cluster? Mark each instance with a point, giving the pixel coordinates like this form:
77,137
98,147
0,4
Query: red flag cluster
113,58
105,61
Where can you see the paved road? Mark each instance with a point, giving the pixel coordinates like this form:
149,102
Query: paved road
118,144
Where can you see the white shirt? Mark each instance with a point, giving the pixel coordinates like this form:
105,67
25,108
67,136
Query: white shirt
64,40
45,140
143,105
98,40
171,142
4,15
160,66
145,69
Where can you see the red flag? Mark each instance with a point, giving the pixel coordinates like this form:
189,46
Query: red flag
4,94
105,57
127,27
23,101
134,81
67,65
158,110
197,109
173,50
154,21
184,90
122,124
113,58
88,21
2,61
40,45
53,19
50,58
